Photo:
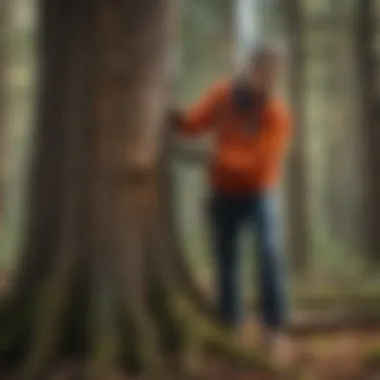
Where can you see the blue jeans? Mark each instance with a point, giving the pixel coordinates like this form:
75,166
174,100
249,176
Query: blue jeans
228,215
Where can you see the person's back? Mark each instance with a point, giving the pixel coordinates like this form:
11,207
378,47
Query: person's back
252,130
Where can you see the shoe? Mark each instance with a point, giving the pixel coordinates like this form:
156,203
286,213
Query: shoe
276,346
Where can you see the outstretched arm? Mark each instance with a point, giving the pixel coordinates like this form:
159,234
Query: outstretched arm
201,117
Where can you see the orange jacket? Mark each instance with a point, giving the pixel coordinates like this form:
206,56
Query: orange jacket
242,162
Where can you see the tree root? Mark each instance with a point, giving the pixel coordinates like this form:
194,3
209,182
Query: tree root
51,310
372,359
14,344
105,339
208,337
17,319
46,331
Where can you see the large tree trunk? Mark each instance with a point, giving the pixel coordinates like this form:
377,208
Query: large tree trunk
98,277
297,180
369,108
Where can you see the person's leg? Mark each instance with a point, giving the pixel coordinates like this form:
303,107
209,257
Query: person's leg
226,216
272,283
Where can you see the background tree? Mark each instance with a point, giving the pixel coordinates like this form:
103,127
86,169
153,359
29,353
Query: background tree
297,201
369,113
3,99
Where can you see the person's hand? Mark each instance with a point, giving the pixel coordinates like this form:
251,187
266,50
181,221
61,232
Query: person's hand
174,118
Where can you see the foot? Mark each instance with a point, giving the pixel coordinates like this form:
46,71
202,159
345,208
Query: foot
246,335
277,347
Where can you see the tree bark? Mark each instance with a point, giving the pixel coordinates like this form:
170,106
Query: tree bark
369,107
98,278
297,180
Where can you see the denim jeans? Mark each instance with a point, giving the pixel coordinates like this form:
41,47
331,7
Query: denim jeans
229,214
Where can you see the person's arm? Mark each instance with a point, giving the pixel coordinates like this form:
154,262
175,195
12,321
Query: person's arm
201,117
272,142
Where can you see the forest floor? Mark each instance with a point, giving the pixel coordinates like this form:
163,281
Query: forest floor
330,356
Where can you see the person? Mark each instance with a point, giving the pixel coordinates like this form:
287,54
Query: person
252,126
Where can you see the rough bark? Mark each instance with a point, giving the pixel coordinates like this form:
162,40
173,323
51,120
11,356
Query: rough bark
369,110
297,180
99,277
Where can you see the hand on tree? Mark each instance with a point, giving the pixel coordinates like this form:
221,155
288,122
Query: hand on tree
175,118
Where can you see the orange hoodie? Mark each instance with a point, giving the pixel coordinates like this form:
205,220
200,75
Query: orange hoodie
243,162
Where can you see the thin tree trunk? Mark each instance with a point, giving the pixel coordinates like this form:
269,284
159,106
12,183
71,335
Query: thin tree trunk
369,105
4,6
297,181
228,34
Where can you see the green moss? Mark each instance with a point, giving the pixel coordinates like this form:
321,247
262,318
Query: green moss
369,298
372,359
217,340
18,320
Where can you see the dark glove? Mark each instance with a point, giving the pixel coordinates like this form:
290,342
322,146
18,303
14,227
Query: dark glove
175,119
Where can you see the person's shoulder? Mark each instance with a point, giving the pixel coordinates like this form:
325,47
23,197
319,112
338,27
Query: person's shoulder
278,105
279,109
222,86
